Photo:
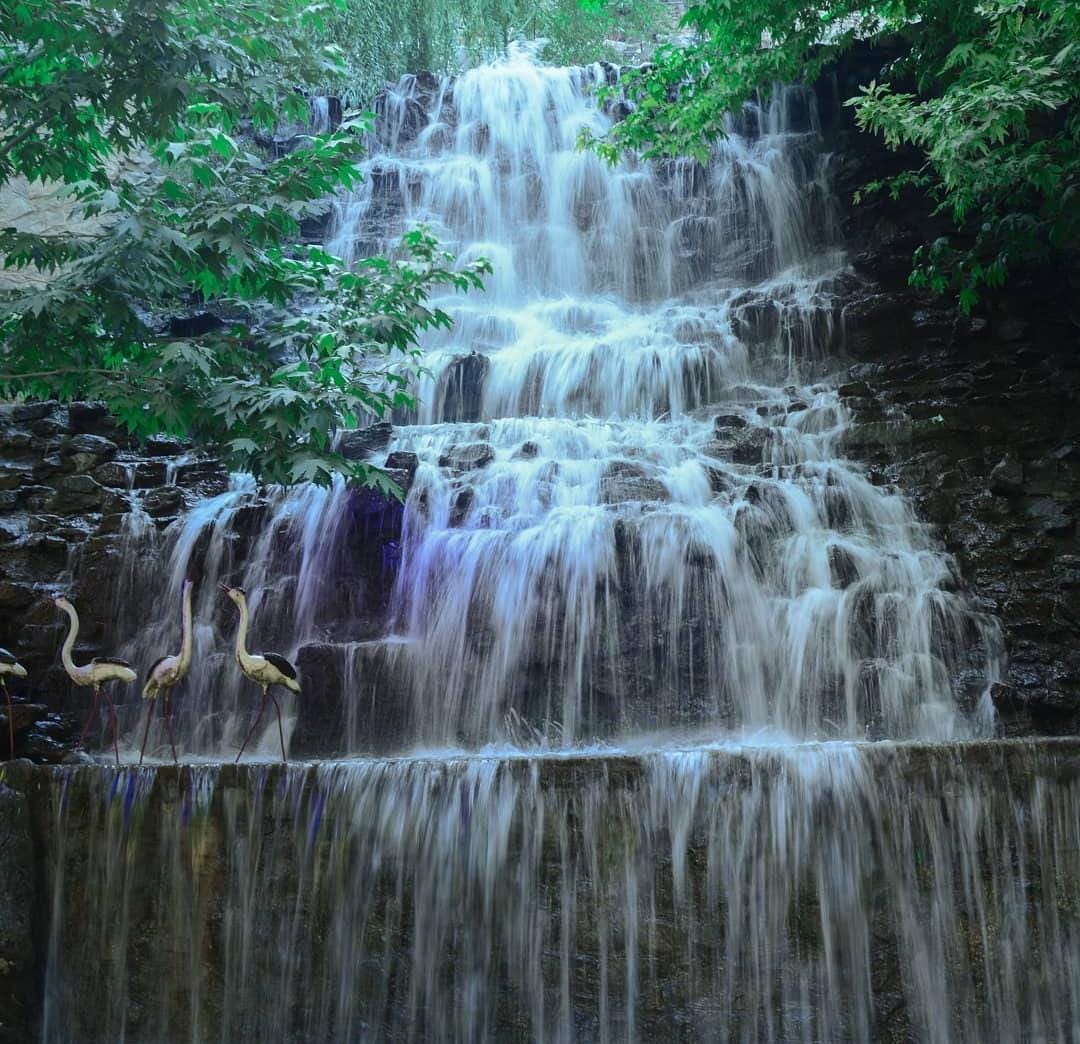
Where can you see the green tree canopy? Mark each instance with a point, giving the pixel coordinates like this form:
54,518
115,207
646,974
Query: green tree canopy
380,41
985,92
144,111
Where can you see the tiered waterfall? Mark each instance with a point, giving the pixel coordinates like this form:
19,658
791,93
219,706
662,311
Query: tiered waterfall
691,737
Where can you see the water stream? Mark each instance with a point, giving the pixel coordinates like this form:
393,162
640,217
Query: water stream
653,642
823,893
630,509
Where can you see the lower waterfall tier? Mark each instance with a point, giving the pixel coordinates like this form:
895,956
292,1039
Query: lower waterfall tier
817,892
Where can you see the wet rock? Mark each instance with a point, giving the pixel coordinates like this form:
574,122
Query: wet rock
22,923
461,388
1007,477
17,443
197,324
467,456
741,446
48,427
163,446
463,501
842,566
625,482
854,390
1050,517
402,460
91,418
1010,329
207,477
46,552
11,477
113,474
527,451
49,741
728,421
24,412
79,494
361,443
356,701
91,445
15,597
163,501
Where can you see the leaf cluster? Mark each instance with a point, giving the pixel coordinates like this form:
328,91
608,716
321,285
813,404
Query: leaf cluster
188,214
381,41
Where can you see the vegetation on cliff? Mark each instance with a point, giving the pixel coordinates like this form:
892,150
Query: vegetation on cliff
981,99
379,41
147,112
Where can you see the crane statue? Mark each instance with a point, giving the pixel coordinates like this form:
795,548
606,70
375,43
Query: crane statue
9,665
97,673
167,673
267,669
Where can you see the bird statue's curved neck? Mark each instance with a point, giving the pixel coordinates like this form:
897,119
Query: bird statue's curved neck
186,642
69,641
241,631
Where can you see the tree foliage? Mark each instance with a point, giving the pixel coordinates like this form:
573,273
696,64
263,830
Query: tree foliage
380,41
986,92
147,112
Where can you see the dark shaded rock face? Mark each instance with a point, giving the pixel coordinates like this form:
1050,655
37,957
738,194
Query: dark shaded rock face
88,513
979,421
20,907
74,497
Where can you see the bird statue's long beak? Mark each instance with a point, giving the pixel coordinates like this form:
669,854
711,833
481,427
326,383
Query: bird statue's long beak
224,587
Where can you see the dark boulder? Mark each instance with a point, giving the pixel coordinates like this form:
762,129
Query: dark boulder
467,456
626,482
461,388
1007,477
361,443
728,421
164,446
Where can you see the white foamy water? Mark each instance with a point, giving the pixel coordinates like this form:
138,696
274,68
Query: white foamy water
630,510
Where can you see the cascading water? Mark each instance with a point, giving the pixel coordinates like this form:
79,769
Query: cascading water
629,512
639,584
825,894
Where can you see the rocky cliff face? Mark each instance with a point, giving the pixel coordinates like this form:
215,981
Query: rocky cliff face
977,419
80,505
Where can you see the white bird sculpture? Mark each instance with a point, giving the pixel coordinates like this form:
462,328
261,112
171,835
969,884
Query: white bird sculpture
167,673
267,669
9,665
96,673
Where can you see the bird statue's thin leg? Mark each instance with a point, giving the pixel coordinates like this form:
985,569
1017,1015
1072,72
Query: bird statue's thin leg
280,730
92,715
168,729
115,736
146,731
254,726
10,720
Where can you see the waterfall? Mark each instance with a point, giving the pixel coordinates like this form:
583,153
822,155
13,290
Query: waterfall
647,716
828,893
630,511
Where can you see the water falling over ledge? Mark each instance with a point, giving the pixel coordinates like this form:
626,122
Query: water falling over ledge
824,892
629,507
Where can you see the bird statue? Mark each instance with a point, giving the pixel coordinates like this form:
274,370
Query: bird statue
167,673
267,669
9,665
99,671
